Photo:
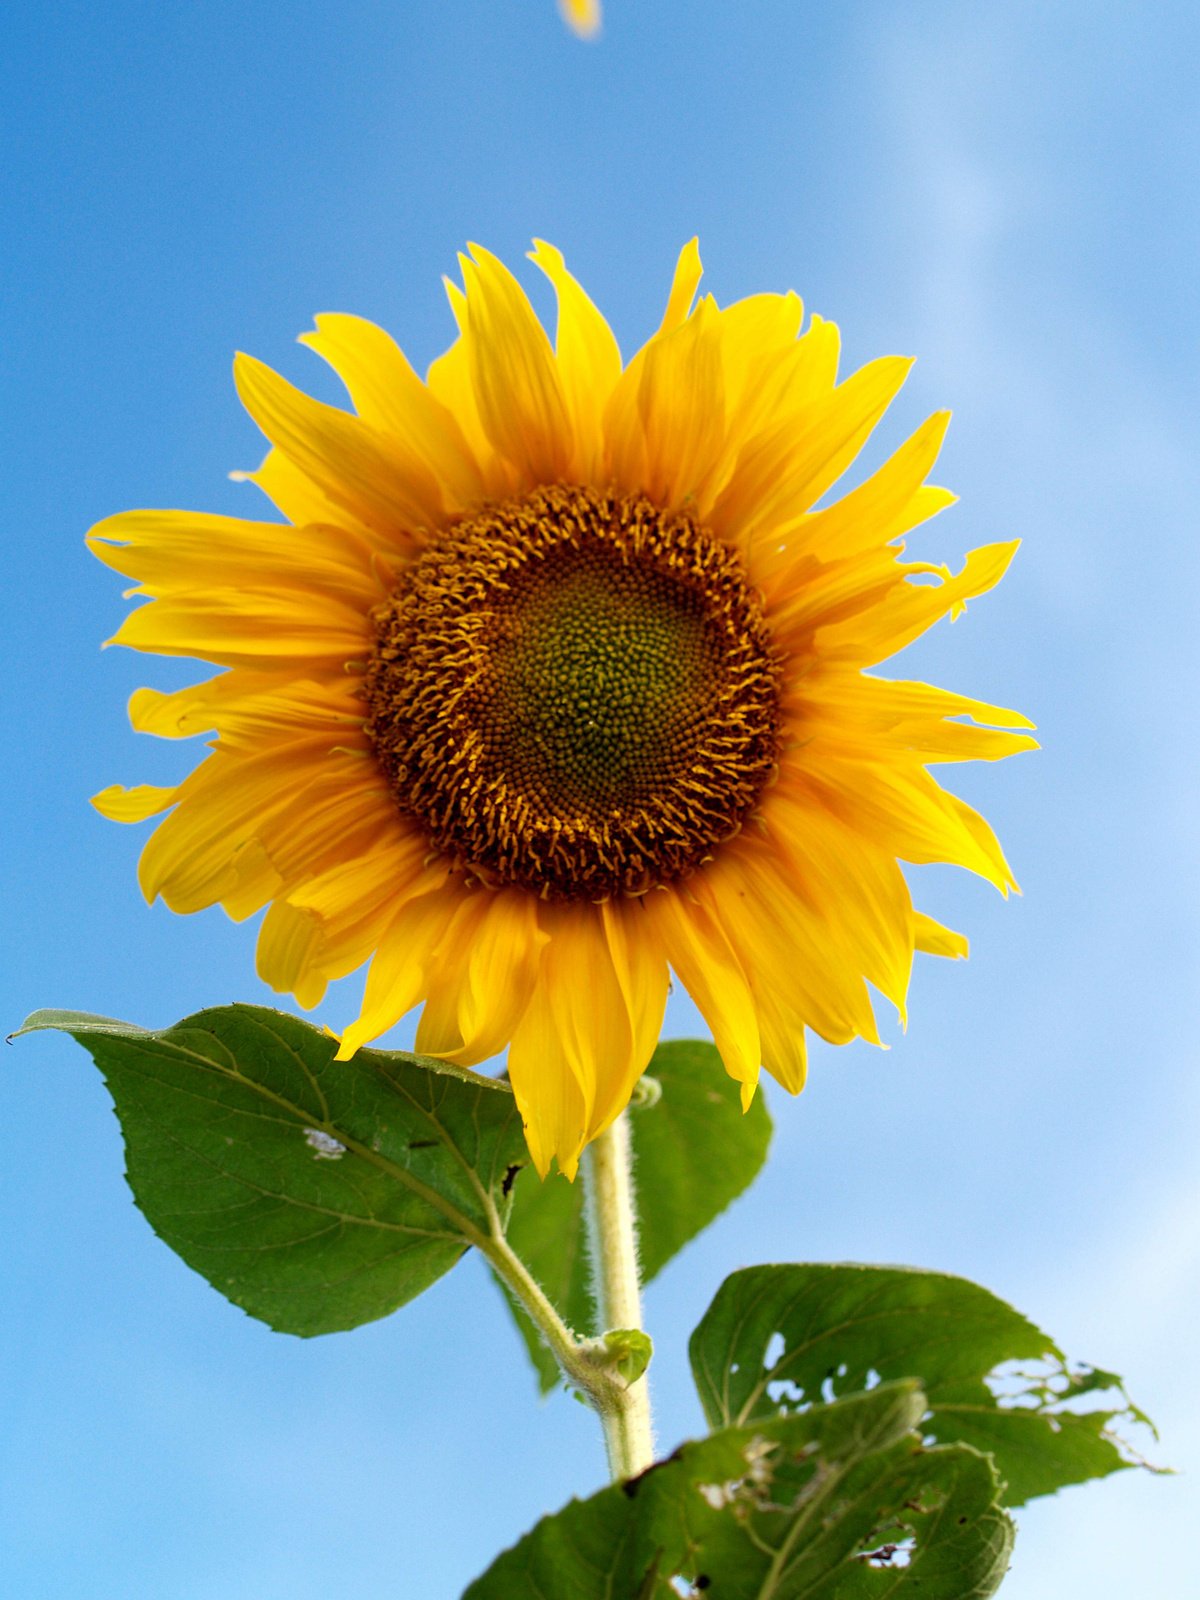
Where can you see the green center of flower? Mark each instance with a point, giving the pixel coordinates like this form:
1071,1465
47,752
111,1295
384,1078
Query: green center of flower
574,693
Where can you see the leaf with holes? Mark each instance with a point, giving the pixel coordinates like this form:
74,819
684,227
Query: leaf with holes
315,1194
778,1339
693,1152
842,1502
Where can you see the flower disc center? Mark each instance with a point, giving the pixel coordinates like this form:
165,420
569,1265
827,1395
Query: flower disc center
574,693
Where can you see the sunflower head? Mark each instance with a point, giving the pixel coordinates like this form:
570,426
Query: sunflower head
556,679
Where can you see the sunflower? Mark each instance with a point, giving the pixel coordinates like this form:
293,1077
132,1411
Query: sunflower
556,679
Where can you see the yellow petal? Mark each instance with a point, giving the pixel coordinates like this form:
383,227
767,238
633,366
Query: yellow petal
690,937
482,977
352,902
904,811
641,974
681,402
513,372
389,395
295,494
854,715
186,552
287,942
582,15
449,381
193,858
936,940
581,1046
892,500
909,608
759,352
589,361
785,1051
245,628
787,942
787,467
852,884
546,1089
399,973
686,281
119,804
248,707
349,462
343,810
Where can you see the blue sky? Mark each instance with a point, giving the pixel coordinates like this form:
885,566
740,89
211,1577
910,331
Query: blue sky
1005,191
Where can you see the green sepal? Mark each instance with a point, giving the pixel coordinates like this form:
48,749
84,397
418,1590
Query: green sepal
777,1339
693,1152
842,1502
315,1194
626,1351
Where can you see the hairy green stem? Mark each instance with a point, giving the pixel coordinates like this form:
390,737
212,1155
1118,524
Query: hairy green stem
590,1365
570,1354
612,1233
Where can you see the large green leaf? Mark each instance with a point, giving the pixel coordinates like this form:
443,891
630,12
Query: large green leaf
842,1502
694,1151
315,1194
777,1339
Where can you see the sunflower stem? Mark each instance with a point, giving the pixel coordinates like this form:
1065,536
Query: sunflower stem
612,1232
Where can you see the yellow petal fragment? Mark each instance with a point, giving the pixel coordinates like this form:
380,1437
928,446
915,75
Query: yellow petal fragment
546,1089
904,811
352,902
758,348
851,714
642,977
449,381
581,15
859,891
144,800
343,811
197,856
788,944
936,940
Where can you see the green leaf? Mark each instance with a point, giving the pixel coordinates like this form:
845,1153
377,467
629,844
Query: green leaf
315,1194
694,1151
842,1502
778,1339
